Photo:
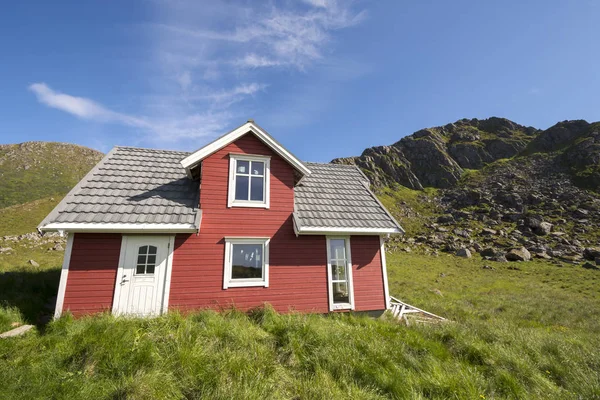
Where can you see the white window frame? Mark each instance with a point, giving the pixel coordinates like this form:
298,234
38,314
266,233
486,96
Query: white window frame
340,306
228,282
231,201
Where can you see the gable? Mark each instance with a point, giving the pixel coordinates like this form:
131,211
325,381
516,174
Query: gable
194,159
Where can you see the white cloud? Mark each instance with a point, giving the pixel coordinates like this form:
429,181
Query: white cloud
207,62
82,107
274,36
175,127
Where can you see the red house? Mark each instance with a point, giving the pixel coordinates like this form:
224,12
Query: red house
239,222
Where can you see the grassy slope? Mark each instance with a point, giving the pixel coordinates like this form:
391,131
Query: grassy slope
23,218
529,333
35,170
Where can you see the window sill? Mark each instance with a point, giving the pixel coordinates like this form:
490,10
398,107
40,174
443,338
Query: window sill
232,284
249,204
344,306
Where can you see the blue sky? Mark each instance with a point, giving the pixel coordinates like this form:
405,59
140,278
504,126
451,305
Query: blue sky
327,78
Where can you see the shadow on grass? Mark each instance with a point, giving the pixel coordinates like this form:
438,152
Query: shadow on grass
33,293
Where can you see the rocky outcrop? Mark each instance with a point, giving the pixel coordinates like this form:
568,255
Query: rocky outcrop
437,157
558,136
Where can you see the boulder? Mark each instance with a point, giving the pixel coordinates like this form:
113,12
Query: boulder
466,253
538,226
520,254
591,253
5,250
58,247
33,263
589,265
488,252
445,219
488,231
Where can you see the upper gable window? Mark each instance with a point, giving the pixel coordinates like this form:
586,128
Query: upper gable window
249,181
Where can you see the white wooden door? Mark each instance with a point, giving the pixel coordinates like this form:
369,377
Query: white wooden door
142,279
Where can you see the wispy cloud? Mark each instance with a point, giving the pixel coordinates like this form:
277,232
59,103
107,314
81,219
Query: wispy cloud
82,107
274,37
189,126
208,61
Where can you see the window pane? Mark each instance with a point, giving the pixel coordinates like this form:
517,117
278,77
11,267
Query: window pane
242,167
247,261
338,271
241,188
258,168
152,250
150,269
140,269
151,260
256,192
337,249
340,293
143,250
141,259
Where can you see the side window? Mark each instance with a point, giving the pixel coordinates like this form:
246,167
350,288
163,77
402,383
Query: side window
339,264
146,261
249,181
246,262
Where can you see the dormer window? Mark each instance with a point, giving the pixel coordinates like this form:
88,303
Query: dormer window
249,181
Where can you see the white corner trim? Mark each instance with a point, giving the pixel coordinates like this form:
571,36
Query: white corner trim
332,306
117,291
317,230
231,201
64,274
227,281
120,227
386,290
168,273
191,160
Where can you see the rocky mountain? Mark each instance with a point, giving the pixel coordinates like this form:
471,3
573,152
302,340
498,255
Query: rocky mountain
505,191
35,170
438,157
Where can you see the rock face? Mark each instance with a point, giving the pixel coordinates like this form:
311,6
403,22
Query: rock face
438,157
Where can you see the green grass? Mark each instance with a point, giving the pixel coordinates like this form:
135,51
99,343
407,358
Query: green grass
412,208
24,218
37,170
528,333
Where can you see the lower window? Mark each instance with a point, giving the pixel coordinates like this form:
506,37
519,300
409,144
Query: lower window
246,262
339,273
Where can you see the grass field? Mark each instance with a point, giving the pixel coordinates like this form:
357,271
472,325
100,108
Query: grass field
527,333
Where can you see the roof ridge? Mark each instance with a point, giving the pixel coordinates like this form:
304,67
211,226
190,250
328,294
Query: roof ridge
329,164
150,149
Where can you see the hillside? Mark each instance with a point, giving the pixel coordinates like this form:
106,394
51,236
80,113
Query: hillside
438,157
36,170
494,187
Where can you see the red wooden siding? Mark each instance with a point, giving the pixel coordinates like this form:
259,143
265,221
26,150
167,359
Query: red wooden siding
298,265
92,272
367,273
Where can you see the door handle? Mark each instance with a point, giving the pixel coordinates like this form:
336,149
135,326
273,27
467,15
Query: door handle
123,280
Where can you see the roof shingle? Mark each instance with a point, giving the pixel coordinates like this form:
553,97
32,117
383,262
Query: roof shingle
145,186
338,196
135,186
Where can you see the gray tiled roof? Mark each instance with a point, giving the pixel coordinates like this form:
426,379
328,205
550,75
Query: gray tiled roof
142,186
132,185
338,196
